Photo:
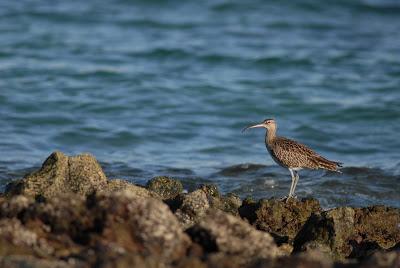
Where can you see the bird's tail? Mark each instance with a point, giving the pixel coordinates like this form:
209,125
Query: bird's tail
328,164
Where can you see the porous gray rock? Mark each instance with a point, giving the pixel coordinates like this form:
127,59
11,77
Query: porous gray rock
59,174
193,208
122,185
165,187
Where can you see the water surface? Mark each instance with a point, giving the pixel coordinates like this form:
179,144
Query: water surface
164,88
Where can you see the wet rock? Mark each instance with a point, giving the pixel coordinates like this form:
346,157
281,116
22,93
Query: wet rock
193,208
59,174
165,187
140,225
347,232
220,232
282,219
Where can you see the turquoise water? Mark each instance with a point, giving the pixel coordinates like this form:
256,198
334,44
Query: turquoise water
165,87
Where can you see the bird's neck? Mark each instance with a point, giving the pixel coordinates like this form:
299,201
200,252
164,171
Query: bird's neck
270,135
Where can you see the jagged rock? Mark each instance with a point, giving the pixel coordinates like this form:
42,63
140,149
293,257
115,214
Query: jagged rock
165,187
379,224
211,190
193,208
140,225
229,203
347,232
282,219
221,232
59,174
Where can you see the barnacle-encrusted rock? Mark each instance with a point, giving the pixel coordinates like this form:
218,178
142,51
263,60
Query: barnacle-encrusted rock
229,203
165,187
282,219
59,174
193,208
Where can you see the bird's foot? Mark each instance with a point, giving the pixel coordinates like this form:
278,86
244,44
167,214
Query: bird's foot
283,198
289,197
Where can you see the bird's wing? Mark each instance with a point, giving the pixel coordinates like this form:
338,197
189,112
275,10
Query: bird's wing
294,154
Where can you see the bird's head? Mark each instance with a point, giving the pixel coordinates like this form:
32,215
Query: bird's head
268,124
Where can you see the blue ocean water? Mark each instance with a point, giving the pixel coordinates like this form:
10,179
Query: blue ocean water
165,87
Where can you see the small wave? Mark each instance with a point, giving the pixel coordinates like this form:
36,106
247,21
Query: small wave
147,23
241,168
162,53
283,61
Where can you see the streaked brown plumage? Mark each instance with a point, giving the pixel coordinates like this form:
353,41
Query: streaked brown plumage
291,154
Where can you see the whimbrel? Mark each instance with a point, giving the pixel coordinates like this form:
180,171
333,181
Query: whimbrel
291,154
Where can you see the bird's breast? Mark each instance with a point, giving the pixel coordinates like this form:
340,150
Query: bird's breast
274,157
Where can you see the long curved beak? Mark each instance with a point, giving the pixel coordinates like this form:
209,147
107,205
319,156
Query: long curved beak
253,126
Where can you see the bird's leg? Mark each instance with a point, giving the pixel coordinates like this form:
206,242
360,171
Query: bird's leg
291,186
296,180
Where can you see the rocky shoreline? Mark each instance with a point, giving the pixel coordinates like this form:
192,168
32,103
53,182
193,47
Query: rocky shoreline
68,214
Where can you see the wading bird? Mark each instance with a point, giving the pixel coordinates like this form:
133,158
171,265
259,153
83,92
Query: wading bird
291,154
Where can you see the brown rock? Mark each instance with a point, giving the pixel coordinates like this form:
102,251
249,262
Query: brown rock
141,225
282,219
379,224
350,233
226,234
